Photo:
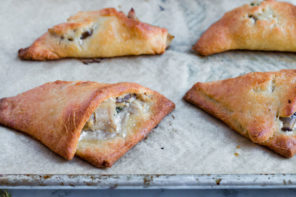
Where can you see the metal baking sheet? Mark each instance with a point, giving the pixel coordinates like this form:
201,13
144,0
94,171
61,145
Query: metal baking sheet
150,181
188,149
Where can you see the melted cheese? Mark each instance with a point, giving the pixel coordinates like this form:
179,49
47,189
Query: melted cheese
115,119
265,13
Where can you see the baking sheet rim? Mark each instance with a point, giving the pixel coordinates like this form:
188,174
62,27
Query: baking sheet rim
147,181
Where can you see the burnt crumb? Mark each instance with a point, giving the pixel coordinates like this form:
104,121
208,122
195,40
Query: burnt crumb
124,99
218,181
62,37
91,60
46,176
173,116
86,34
289,101
161,8
286,183
70,39
147,180
162,148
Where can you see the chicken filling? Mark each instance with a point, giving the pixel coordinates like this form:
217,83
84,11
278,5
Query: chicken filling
288,123
265,13
115,117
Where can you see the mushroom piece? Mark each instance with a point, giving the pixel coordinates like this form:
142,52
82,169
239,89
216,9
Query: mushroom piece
124,98
86,34
288,122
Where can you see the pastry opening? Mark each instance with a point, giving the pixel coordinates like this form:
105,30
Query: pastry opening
116,117
86,34
76,35
265,13
288,123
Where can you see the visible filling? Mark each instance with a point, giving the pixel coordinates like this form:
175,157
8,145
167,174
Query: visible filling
262,14
73,35
255,3
86,34
288,123
76,36
116,117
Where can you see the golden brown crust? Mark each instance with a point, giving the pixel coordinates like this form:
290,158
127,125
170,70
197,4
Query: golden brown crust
53,113
284,145
111,150
56,112
251,105
102,33
269,25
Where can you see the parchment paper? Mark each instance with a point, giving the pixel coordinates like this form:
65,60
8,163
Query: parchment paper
188,141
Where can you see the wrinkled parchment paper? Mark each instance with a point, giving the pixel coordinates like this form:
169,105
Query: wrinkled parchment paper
188,141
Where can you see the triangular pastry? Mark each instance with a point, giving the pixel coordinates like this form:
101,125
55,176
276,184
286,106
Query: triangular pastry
99,122
260,106
267,25
94,34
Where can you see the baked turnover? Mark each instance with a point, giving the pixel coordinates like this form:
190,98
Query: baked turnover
260,106
269,25
95,34
98,122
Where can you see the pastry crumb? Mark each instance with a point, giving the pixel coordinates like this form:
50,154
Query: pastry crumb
218,181
238,146
236,154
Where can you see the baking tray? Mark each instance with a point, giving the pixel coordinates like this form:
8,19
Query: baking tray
147,181
189,148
